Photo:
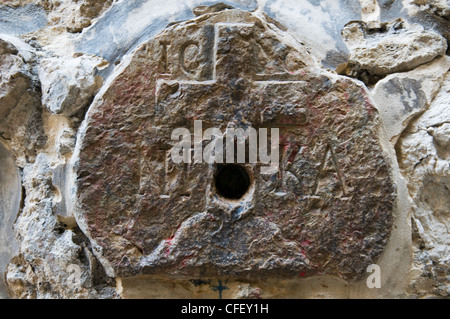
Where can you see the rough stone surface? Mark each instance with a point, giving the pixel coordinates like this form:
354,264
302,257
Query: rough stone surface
20,102
75,15
68,85
402,96
67,40
43,270
321,213
424,156
10,197
438,7
389,48
323,21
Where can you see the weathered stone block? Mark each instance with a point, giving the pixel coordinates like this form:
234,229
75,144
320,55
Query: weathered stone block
10,197
69,85
389,48
328,209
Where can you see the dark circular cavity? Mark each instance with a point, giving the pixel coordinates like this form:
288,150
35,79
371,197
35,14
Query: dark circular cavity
231,180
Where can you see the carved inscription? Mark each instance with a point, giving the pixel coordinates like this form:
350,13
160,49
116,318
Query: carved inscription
328,207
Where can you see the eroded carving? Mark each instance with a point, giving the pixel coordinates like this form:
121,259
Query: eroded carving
328,209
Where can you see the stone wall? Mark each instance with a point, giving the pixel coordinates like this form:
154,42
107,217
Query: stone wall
92,207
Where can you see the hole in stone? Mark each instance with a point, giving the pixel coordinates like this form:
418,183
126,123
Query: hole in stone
231,181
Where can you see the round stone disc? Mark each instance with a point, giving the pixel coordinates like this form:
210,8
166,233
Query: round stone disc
326,208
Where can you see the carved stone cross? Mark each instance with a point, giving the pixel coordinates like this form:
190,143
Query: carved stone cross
328,208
